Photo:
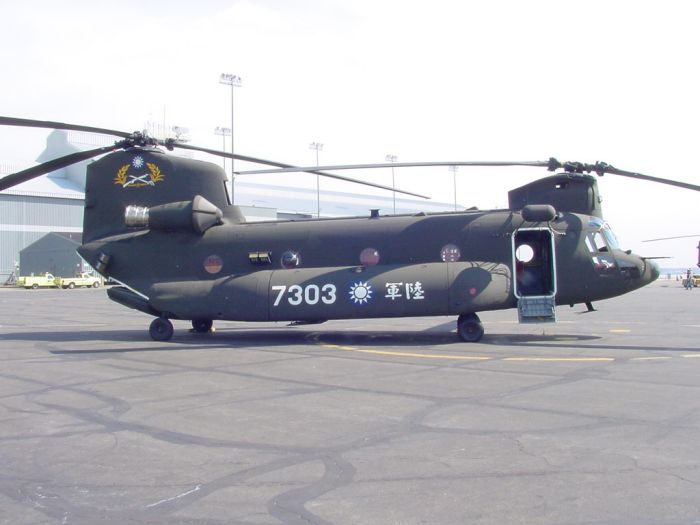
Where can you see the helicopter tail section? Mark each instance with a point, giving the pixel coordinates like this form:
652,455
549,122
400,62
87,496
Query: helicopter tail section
124,188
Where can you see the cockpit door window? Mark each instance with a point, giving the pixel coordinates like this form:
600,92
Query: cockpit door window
600,244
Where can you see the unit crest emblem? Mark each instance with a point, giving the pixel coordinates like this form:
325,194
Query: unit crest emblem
125,179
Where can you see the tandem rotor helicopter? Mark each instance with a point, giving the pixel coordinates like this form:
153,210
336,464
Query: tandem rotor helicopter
163,226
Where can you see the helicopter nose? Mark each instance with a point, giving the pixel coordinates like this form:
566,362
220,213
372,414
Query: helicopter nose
637,271
651,271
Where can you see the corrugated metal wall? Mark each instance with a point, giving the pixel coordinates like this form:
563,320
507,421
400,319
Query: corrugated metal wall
24,219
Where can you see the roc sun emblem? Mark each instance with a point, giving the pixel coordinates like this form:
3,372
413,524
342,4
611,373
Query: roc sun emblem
125,179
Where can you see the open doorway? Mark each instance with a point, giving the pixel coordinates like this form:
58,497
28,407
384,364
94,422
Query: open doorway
533,256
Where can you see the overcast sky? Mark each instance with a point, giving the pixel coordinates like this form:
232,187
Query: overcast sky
426,81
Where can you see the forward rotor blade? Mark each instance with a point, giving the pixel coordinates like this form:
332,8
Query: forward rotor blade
29,123
292,169
671,238
52,165
602,168
284,167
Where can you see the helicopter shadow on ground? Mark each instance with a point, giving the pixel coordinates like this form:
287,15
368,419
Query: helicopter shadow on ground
240,338
131,341
125,341
256,338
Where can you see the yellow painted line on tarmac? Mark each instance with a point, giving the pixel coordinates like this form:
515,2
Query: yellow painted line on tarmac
411,354
467,357
560,359
524,359
619,331
338,347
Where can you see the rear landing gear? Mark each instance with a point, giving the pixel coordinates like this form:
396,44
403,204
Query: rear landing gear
469,328
202,326
161,329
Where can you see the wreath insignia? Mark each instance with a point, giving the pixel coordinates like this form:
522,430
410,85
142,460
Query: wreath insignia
125,180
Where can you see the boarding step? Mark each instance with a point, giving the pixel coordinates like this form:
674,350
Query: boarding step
537,309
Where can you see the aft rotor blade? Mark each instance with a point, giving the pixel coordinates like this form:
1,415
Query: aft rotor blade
29,123
52,165
282,167
292,169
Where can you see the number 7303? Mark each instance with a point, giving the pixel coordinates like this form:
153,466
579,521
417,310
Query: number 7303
309,294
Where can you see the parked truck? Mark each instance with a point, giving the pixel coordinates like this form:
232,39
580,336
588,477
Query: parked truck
46,280
82,279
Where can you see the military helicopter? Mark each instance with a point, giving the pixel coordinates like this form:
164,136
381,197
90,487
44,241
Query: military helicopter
163,226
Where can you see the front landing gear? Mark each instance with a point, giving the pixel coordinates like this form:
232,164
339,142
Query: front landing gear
469,328
161,329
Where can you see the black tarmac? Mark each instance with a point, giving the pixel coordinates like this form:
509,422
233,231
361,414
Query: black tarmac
593,420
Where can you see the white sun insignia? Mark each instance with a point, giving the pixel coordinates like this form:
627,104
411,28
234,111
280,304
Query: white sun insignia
137,162
360,293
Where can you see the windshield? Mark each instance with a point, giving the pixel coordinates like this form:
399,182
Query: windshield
610,237
600,241
601,237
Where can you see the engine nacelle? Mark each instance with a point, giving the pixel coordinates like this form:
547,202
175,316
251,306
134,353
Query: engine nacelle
197,215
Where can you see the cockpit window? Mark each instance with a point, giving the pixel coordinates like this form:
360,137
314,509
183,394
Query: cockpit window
596,242
610,237
600,243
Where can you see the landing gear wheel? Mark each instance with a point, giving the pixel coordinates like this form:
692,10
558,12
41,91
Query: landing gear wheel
469,328
161,329
202,325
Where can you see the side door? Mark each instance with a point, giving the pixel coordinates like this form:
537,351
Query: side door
534,263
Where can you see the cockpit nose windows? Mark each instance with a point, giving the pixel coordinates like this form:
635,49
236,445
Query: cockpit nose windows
596,242
602,236
600,250
610,238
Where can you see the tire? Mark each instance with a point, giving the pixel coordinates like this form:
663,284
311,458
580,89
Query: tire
469,328
71,286
161,329
96,284
35,286
202,325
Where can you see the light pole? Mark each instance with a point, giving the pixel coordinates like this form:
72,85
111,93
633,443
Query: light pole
392,159
234,81
224,132
454,169
318,147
